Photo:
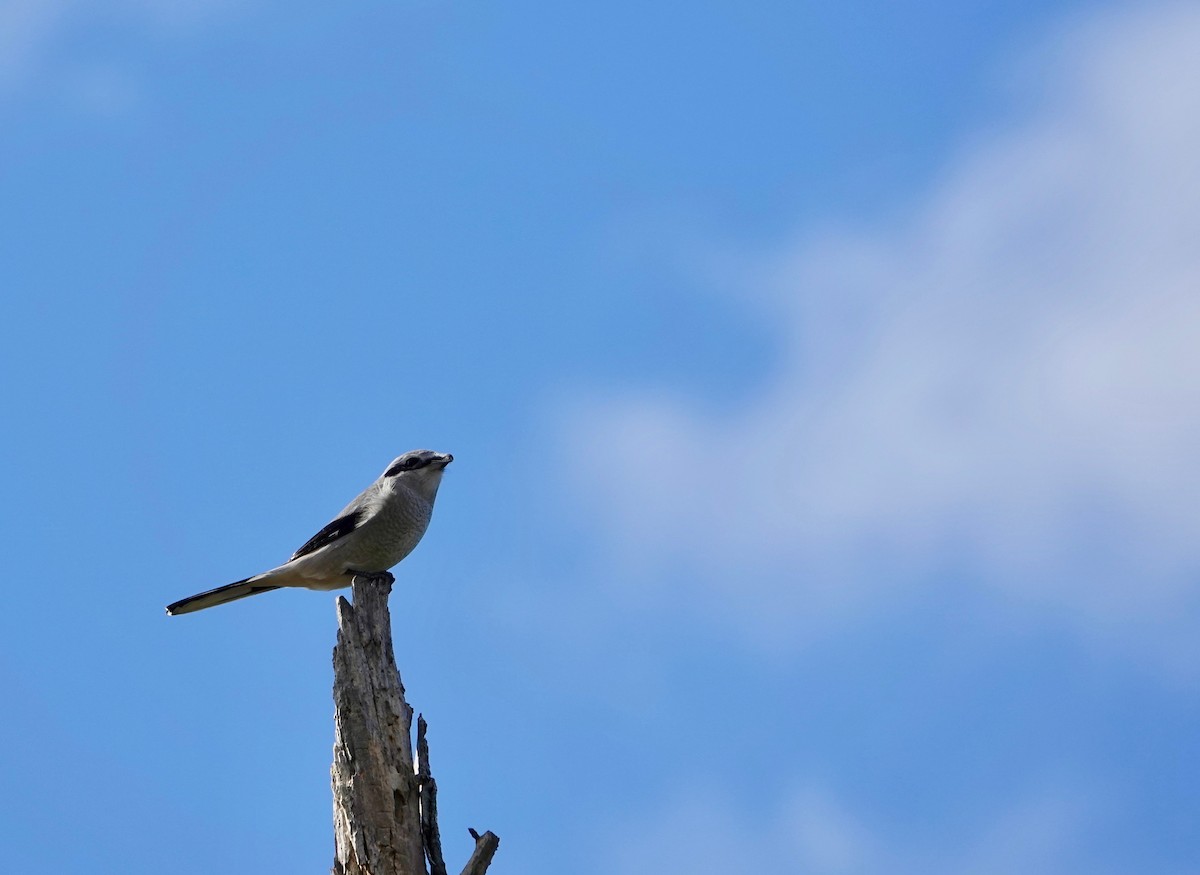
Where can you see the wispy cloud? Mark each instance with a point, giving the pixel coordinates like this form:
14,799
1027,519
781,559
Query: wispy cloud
1005,381
33,35
27,27
1049,832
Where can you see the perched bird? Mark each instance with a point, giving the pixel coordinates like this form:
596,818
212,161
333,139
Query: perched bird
371,534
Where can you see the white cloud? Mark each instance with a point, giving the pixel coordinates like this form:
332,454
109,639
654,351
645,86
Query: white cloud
26,27
1005,382
32,34
1051,831
702,832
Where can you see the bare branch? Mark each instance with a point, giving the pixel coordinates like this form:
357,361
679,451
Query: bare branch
429,824
485,849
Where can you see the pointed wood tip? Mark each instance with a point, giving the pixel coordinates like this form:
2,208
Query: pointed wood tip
345,612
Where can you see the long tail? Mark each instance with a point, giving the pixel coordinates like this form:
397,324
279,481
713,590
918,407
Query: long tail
231,592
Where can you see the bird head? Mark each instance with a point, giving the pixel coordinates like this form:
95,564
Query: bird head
418,470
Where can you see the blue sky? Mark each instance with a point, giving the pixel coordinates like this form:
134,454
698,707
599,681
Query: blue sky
823,386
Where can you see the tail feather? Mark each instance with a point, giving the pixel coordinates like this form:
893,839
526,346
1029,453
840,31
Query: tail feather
231,592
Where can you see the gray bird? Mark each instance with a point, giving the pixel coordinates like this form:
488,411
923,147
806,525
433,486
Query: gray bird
371,534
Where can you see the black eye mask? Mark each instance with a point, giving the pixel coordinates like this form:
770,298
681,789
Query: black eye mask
406,465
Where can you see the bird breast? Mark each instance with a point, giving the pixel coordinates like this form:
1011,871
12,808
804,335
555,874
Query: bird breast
392,533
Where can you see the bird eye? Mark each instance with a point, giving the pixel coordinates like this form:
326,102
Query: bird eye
409,464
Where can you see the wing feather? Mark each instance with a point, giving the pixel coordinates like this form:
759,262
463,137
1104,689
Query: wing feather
339,528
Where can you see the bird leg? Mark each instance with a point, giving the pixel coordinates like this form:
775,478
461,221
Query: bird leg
384,577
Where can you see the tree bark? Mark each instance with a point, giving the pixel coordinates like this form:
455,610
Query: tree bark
376,798
384,809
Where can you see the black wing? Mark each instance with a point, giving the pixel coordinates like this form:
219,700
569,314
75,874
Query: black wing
339,528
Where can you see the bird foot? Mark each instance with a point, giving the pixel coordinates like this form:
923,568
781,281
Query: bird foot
384,577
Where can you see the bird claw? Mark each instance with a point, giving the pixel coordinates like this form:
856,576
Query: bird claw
384,577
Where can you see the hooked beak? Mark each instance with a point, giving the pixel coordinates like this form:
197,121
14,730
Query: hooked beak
443,460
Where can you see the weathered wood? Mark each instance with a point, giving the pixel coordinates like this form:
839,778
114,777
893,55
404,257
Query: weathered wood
429,824
376,798
481,857
384,809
